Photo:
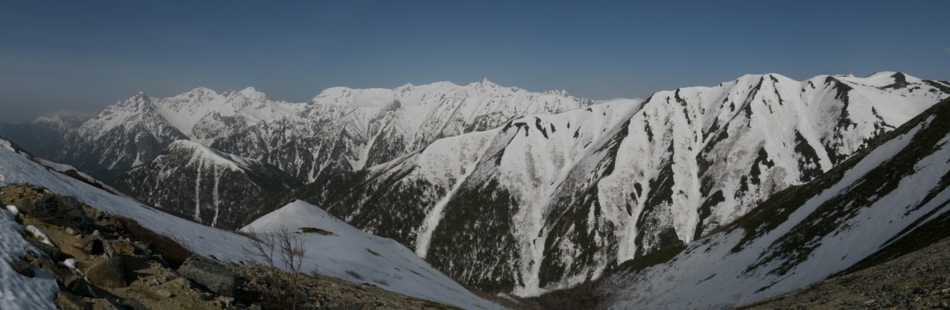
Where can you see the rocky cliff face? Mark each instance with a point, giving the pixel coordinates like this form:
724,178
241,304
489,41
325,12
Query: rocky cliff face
204,185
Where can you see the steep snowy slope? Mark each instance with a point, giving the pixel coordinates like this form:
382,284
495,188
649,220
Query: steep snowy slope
209,187
548,201
341,129
889,194
18,167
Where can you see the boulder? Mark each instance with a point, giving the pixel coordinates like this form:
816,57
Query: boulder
108,273
53,252
107,303
163,293
209,274
132,304
69,301
23,267
94,244
73,282
123,247
57,210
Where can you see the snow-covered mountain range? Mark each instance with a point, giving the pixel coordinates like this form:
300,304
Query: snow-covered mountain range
504,189
341,129
346,253
213,188
882,202
549,201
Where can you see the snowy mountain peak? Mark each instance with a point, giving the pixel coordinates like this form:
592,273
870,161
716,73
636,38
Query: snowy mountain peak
205,154
484,83
249,93
880,74
139,99
64,118
405,88
199,94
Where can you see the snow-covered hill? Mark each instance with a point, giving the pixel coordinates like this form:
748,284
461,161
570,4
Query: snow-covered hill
37,293
548,201
341,129
891,195
213,188
346,252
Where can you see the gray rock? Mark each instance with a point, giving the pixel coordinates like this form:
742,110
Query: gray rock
123,246
132,304
23,268
108,273
163,293
74,283
209,274
107,303
141,247
225,302
94,244
53,252
57,210
69,301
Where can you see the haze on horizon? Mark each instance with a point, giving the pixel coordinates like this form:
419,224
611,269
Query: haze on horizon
87,55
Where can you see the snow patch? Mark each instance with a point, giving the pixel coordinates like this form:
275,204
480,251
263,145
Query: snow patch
39,234
16,290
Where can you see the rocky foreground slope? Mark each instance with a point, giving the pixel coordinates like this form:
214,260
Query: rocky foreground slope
111,262
918,280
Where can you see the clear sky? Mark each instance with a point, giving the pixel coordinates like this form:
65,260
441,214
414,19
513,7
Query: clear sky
85,55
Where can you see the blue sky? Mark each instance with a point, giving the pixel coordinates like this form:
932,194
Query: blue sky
85,55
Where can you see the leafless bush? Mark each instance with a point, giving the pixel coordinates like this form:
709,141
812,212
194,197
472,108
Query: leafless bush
279,249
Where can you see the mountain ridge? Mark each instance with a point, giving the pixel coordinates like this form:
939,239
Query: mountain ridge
894,189
341,129
574,194
551,198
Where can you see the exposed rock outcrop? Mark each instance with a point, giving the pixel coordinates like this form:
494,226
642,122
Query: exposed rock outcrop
211,275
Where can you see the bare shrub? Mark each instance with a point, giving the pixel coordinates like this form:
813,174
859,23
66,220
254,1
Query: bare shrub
279,249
